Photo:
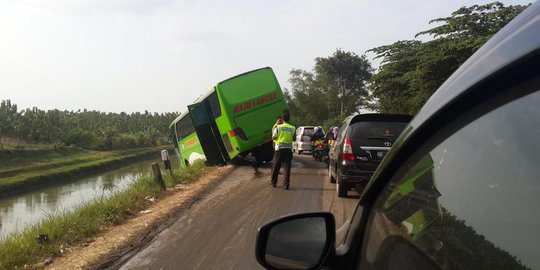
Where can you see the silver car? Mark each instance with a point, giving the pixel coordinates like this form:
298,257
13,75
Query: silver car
302,138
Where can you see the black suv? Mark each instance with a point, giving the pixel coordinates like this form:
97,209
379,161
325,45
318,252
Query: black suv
460,187
362,143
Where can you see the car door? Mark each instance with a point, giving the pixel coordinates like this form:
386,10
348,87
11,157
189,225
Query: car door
468,196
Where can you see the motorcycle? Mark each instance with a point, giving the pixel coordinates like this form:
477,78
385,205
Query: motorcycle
318,150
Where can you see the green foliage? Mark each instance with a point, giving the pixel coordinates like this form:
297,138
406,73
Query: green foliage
337,86
87,129
335,121
8,115
185,175
82,138
412,70
306,102
126,140
343,78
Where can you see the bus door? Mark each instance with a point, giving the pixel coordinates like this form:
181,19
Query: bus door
207,133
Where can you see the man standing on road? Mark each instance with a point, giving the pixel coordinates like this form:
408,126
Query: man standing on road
283,136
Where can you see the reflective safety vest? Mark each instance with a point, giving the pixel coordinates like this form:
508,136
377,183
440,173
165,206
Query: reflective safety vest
285,134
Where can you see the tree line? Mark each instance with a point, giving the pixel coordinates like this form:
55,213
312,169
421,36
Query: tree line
87,129
410,71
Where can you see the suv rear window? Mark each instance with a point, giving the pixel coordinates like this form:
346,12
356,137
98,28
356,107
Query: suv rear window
375,133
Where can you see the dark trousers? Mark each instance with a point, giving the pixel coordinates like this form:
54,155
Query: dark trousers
282,156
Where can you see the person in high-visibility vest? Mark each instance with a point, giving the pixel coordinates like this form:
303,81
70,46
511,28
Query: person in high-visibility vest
279,121
283,137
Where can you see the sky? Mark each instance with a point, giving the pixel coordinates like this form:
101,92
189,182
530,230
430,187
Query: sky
160,55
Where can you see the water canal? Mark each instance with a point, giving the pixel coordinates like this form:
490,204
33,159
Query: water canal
21,210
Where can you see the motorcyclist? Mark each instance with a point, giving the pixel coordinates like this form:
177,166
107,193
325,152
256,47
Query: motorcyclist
317,135
329,139
331,136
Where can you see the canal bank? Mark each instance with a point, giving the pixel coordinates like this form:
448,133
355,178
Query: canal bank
27,208
41,172
57,235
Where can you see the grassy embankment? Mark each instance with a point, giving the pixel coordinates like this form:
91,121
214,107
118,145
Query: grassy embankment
22,170
75,227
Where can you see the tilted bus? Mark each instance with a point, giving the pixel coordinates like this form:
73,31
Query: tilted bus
234,118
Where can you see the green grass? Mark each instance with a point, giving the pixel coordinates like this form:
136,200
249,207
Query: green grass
16,158
64,168
12,162
74,227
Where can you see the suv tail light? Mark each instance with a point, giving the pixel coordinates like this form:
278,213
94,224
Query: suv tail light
301,138
347,150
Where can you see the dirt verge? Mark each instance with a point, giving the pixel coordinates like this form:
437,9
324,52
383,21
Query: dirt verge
117,244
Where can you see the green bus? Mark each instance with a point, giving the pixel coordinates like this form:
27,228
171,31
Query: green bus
186,143
234,118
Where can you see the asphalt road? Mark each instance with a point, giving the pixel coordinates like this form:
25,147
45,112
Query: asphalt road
219,231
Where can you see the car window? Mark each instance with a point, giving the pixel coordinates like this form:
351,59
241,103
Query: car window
342,130
471,202
308,132
376,132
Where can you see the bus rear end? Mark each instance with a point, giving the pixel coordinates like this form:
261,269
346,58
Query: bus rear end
252,101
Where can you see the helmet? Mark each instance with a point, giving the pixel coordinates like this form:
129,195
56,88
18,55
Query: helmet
318,129
335,129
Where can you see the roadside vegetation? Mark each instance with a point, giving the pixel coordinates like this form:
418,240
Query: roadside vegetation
410,71
87,129
22,170
36,244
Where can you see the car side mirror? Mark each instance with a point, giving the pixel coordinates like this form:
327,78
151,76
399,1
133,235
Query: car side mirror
300,241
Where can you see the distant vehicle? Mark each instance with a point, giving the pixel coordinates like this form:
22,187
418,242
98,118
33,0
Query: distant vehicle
459,188
301,141
362,142
234,118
